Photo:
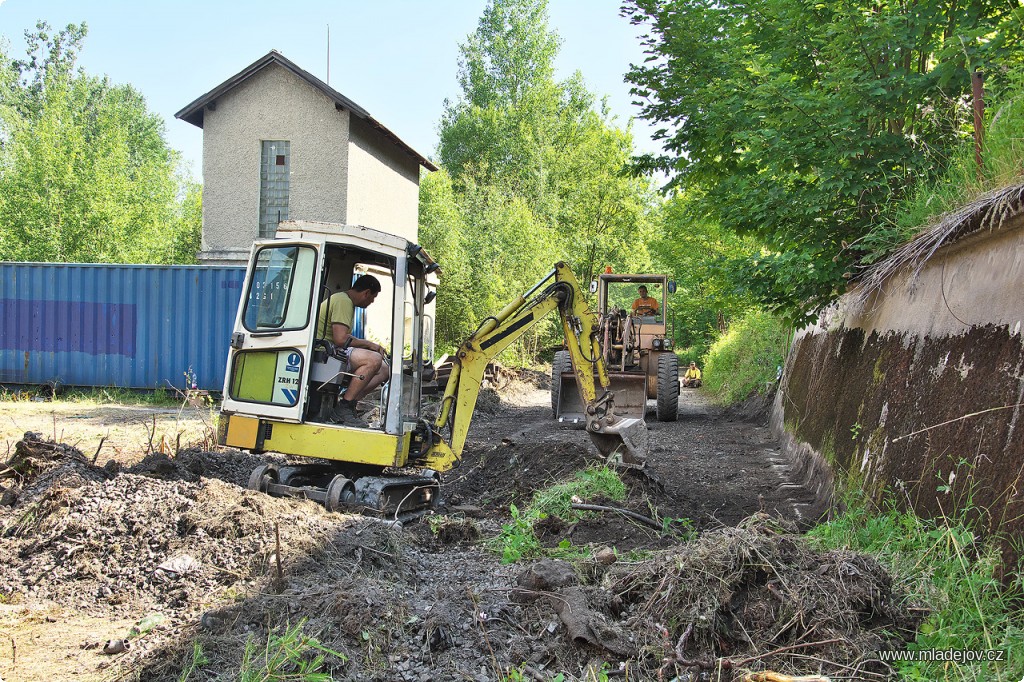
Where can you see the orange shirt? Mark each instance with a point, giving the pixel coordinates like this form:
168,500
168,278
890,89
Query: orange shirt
646,302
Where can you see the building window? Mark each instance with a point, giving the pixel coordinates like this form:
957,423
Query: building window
275,162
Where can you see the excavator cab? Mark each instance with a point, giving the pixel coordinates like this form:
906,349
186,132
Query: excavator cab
283,375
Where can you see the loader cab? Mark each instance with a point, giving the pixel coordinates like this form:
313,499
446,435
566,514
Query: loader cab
281,369
639,331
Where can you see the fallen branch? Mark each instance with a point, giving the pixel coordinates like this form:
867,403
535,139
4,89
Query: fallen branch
625,512
966,416
98,448
784,649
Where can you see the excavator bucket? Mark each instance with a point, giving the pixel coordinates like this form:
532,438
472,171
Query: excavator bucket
621,441
630,389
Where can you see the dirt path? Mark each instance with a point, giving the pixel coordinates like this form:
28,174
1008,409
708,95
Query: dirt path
715,468
126,432
171,553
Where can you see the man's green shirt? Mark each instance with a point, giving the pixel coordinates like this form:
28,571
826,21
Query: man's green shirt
338,309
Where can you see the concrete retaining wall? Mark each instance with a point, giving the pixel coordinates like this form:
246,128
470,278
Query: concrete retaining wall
917,391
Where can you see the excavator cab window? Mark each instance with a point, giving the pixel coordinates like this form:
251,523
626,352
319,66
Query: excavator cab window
280,290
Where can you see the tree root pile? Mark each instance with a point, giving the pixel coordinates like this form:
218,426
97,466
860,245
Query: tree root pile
756,597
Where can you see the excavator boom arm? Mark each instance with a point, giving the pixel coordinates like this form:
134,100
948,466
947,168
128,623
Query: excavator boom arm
561,292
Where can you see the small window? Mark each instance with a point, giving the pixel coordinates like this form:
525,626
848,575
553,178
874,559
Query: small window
267,376
274,185
281,289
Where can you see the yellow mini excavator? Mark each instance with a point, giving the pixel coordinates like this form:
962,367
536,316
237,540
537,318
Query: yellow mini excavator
282,381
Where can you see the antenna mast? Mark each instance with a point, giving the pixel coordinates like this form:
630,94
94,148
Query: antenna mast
328,54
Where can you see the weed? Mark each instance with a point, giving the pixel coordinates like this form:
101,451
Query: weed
107,395
855,431
587,484
943,564
291,655
681,527
197,660
517,539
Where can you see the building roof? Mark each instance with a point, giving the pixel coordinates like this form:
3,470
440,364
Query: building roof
193,113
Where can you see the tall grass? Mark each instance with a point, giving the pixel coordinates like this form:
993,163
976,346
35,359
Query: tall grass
944,565
745,360
961,181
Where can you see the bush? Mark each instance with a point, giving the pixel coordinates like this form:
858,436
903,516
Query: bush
746,359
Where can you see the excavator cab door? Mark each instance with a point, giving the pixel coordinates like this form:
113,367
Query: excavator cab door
268,364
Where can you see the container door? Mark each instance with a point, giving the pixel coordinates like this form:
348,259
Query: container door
268,365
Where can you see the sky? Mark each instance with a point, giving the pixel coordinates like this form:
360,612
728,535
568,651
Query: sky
398,59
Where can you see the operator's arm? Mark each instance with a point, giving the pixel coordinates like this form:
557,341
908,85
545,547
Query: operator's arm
341,333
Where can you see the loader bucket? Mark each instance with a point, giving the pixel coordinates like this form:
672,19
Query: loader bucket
621,441
630,389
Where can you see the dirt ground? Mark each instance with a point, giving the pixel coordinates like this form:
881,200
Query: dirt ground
127,567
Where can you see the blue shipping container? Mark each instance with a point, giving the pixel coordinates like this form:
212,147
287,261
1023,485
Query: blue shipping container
133,326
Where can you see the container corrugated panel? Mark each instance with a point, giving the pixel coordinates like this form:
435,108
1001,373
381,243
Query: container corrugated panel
133,326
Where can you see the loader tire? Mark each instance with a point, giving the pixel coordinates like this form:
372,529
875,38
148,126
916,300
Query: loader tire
668,387
561,363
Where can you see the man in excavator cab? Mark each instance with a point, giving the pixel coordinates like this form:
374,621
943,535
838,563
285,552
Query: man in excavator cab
365,359
645,305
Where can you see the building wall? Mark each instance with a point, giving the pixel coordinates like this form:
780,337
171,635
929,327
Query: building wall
917,393
274,104
383,184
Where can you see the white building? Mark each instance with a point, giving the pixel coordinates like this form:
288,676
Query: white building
280,144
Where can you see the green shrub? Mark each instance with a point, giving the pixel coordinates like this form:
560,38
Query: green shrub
746,359
960,181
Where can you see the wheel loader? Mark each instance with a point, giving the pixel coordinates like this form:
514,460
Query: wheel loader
636,346
282,382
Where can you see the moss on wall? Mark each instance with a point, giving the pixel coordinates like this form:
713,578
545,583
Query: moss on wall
937,420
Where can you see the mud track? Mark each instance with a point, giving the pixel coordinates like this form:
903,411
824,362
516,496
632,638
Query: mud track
171,555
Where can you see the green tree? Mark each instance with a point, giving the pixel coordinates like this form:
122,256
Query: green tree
536,172
803,121
703,257
85,171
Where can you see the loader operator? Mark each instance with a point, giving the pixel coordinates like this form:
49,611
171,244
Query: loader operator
365,358
645,305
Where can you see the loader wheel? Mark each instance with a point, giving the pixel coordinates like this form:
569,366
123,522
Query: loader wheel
668,387
261,476
561,363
